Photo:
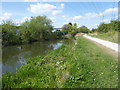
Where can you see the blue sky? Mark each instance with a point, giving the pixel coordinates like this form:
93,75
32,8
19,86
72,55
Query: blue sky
89,14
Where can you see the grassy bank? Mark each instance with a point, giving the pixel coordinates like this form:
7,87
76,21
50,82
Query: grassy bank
80,65
110,36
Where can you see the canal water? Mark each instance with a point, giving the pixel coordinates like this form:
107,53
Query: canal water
15,56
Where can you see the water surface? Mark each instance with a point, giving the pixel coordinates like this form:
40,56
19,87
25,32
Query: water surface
15,56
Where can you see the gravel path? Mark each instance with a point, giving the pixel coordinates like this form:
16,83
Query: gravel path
108,44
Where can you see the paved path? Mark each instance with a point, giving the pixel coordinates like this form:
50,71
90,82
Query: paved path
111,45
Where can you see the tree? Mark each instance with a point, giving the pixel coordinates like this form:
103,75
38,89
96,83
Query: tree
68,28
114,25
70,23
25,32
83,29
75,26
40,25
93,30
37,28
10,34
103,28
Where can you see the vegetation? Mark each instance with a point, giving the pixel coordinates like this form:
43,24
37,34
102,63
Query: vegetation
83,29
110,36
37,29
40,29
108,31
10,33
104,28
72,29
81,64
68,28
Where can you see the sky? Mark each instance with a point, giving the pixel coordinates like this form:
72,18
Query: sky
89,14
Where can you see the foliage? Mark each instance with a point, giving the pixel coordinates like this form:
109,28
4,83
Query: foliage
10,33
110,36
67,28
58,34
112,26
83,29
70,29
103,28
108,31
93,30
37,29
79,65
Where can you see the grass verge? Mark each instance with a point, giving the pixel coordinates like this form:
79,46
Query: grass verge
81,64
110,36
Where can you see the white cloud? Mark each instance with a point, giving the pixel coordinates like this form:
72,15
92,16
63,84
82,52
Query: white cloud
108,11
77,17
86,16
67,18
91,15
41,8
53,19
106,20
5,16
62,6
94,15
55,12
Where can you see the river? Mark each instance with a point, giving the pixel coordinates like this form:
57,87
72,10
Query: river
15,56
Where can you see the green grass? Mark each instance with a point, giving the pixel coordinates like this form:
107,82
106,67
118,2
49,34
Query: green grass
82,64
110,36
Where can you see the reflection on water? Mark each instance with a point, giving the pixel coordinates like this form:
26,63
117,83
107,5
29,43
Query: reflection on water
15,56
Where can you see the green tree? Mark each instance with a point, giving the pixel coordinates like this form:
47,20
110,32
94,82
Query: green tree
75,26
83,29
93,30
40,26
68,28
10,34
25,32
114,25
70,23
103,28
37,28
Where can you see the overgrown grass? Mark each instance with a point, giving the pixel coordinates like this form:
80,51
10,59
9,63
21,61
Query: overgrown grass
110,36
80,65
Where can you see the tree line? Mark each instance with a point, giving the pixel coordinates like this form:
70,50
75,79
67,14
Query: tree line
40,29
37,29
72,29
114,25
102,28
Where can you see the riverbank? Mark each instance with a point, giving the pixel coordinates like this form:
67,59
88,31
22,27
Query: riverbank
81,64
13,60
